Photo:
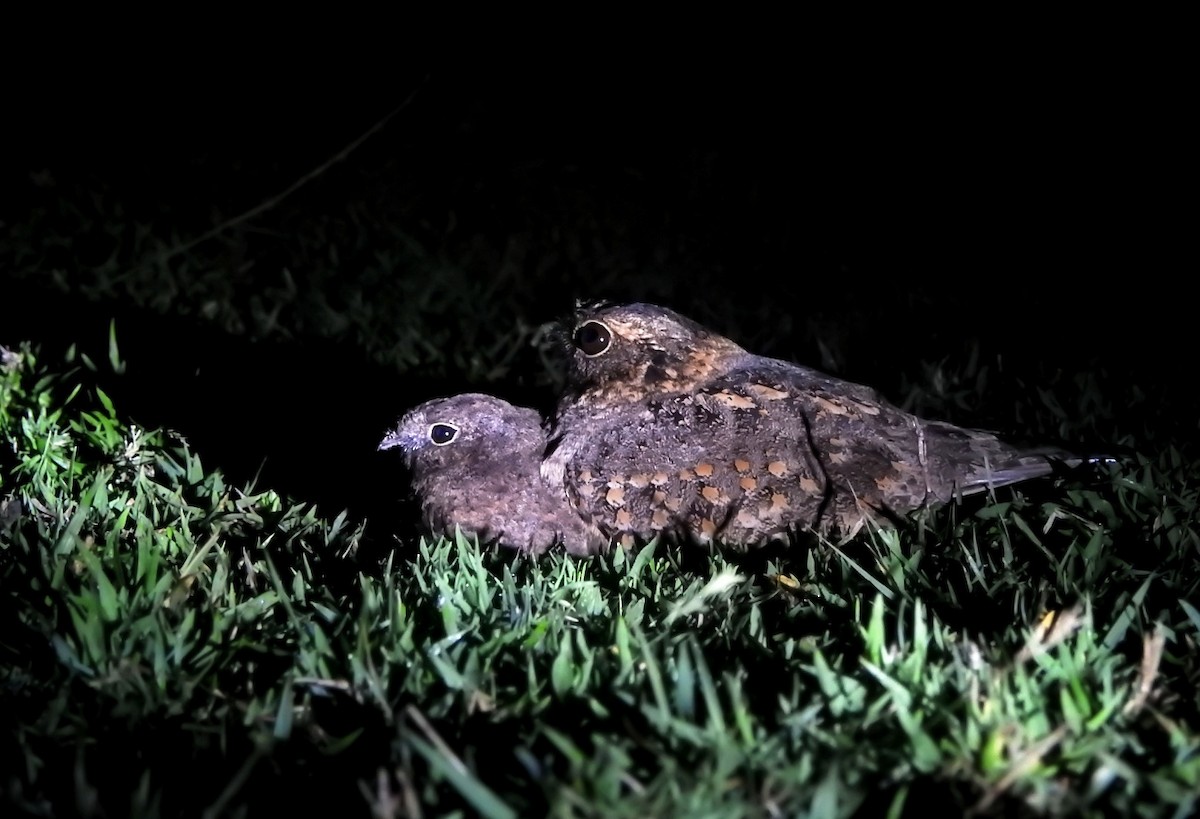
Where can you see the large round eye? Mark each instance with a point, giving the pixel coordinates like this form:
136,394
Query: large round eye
442,434
593,338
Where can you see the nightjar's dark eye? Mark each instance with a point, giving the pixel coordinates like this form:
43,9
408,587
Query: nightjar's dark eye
442,434
593,338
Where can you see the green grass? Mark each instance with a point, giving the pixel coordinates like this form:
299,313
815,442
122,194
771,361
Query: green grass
172,643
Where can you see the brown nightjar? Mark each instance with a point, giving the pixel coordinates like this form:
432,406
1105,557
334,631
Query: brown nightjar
474,463
666,427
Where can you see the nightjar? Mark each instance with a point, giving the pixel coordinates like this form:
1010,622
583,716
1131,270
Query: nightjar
666,427
474,463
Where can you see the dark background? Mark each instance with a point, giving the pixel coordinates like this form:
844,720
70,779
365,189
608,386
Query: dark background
889,211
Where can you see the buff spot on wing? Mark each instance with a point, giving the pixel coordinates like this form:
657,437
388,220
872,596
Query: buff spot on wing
894,481
887,484
711,494
659,497
868,409
704,470
779,502
839,450
639,480
686,474
672,504
741,464
749,484
708,528
767,393
746,520
731,399
777,468
659,519
624,518
623,392
585,476
825,405
660,478
810,486
615,496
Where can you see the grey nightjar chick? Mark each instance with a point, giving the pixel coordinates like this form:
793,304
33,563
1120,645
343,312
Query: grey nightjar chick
667,427
474,461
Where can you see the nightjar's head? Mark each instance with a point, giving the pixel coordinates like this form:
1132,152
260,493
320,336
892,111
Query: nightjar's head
468,430
627,352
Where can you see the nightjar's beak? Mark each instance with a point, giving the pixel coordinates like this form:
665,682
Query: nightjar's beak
399,437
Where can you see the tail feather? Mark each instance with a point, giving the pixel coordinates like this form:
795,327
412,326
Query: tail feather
1026,465
976,461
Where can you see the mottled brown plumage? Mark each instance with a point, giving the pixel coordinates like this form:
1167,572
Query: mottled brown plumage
474,461
667,427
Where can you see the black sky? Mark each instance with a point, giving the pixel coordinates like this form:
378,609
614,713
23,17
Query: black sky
1059,169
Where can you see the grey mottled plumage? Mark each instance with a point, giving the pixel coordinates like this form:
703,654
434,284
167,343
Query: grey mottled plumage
667,427
474,461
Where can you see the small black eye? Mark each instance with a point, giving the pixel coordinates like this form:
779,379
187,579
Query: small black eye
442,434
593,338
